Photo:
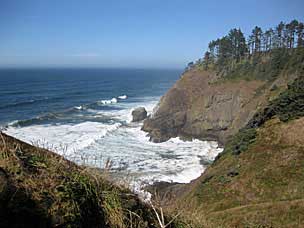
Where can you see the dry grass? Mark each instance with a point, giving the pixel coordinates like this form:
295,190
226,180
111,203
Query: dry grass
43,189
261,187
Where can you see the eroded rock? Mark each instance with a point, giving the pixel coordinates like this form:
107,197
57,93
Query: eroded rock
139,114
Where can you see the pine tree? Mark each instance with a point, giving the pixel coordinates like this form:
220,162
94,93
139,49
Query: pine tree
234,46
225,49
268,39
289,33
292,30
279,31
257,35
300,34
250,44
238,43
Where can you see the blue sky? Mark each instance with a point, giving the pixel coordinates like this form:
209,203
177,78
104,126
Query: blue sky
134,33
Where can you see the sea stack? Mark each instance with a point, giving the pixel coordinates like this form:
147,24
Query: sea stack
139,114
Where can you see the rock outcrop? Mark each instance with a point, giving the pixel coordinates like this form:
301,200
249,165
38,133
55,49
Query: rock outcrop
257,181
200,105
139,114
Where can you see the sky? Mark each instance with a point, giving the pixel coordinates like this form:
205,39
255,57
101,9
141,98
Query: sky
126,33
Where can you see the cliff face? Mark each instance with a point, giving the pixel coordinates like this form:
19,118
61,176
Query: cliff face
216,103
258,180
201,105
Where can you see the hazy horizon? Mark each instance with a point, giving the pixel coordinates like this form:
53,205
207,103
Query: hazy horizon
120,34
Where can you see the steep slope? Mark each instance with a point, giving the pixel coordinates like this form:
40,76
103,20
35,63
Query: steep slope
39,188
198,107
214,104
258,181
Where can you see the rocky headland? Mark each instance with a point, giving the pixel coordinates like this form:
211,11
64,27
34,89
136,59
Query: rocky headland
200,107
253,107
249,98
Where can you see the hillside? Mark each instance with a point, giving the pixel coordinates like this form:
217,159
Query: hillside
247,96
219,93
250,98
258,180
39,188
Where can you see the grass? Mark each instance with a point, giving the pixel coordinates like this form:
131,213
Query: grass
287,106
258,180
42,189
261,187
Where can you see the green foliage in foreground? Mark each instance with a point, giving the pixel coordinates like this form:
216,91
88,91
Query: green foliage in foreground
41,189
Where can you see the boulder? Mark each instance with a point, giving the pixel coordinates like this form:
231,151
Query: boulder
139,114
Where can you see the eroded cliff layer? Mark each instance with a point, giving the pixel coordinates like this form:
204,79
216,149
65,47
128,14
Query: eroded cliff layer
201,105
257,181
214,101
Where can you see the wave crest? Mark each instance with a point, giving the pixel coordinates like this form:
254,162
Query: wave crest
123,97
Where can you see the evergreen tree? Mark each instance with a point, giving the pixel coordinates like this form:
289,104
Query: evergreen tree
300,34
212,48
257,35
237,43
233,47
250,44
207,59
225,49
293,28
290,33
268,39
279,34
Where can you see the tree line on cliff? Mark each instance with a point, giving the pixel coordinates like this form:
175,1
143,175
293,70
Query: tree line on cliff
235,47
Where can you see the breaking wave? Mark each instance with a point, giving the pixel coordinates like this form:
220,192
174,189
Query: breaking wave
94,136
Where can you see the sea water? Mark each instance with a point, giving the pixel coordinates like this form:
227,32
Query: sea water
85,115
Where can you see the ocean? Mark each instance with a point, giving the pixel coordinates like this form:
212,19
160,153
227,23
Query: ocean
85,115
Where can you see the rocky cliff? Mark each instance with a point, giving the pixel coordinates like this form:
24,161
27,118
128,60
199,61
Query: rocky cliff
203,105
258,180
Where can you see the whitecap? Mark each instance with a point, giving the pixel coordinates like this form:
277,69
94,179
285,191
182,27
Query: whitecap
106,102
80,107
123,97
114,100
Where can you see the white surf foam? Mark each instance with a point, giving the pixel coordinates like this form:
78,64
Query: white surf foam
131,151
65,139
127,147
125,111
80,107
106,102
123,97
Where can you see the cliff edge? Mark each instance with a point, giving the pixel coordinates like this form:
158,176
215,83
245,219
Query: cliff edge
209,104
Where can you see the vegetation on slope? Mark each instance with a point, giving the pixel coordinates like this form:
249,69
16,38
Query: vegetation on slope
41,189
287,106
214,99
261,56
258,181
